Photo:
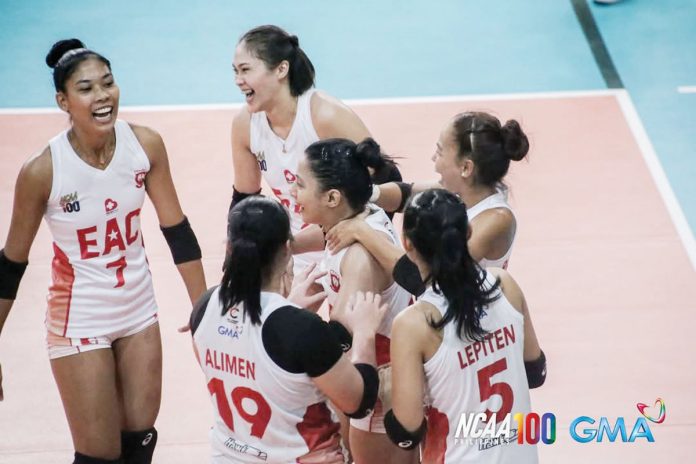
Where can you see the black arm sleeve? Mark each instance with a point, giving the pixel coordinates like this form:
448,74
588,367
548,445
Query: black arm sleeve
299,341
536,371
406,189
238,196
199,310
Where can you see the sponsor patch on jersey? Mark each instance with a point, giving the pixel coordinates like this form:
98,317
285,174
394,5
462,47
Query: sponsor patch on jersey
261,159
289,177
70,203
110,206
334,281
140,178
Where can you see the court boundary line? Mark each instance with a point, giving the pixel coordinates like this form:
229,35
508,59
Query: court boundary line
658,174
622,97
354,101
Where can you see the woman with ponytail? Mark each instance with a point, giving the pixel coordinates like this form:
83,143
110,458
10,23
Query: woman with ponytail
467,345
271,365
333,184
282,116
472,157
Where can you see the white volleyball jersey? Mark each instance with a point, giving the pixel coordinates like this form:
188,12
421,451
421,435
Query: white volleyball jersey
497,200
395,296
278,158
101,281
466,378
262,412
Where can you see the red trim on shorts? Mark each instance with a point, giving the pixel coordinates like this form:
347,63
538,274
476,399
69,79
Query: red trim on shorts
63,279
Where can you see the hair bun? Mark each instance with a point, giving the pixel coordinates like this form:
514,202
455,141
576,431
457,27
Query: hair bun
369,153
60,48
294,41
515,143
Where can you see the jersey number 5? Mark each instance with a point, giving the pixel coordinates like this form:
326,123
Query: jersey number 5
488,389
258,419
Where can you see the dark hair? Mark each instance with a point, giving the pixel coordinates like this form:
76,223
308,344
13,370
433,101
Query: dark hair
435,221
64,64
272,45
481,138
342,164
258,227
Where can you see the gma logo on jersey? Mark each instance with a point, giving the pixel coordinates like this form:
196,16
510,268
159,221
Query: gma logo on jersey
584,430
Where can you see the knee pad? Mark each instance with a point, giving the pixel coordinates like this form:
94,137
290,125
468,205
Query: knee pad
84,459
138,447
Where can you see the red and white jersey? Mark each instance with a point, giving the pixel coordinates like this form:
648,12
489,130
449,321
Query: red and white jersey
497,200
395,296
101,281
278,158
262,412
465,377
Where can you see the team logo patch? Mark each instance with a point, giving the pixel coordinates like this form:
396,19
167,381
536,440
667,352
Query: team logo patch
140,178
261,159
110,206
335,281
70,203
289,177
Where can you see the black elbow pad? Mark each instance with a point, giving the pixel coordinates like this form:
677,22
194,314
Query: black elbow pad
182,242
370,391
399,435
536,371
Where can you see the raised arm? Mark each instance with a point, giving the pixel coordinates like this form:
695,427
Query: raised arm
175,226
32,190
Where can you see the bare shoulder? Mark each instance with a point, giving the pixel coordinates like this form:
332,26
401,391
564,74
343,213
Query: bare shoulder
149,139
241,124
330,115
37,171
501,219
413,322
359,260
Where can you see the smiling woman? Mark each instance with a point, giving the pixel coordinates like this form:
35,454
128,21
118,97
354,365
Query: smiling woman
283,115
89,184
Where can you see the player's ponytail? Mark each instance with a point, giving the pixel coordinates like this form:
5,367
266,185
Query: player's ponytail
342,164
481,138
436,222
273,45
258,229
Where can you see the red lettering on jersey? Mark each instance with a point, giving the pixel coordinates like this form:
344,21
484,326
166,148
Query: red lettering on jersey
112,237
435,444
130,237
85,243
